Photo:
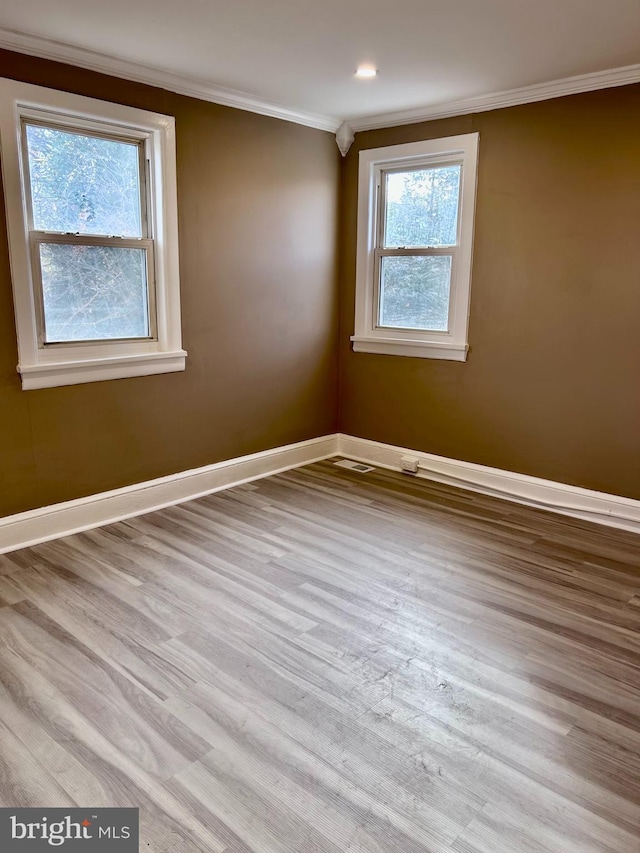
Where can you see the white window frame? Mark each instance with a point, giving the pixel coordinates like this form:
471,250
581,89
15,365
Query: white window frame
374,162
43,365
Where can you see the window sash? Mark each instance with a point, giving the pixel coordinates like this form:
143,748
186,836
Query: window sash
380,251
381,205
79,130
421,250
38,237
87,239
450,251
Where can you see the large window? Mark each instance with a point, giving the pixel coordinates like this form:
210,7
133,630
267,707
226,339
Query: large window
91,206
415,234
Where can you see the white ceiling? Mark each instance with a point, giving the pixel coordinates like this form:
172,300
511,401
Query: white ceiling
302,54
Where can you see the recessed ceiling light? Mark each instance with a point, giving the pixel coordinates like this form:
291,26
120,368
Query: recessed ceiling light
366,71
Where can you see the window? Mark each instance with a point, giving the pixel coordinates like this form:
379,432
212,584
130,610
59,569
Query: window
90,191
415,234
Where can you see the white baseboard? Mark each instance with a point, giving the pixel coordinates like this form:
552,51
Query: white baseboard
63,519
585,504
52,522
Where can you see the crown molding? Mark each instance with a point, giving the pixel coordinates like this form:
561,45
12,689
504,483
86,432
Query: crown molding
344,137
499,100
344,130
181,85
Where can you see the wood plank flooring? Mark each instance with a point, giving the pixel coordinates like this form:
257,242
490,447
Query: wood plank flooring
327,661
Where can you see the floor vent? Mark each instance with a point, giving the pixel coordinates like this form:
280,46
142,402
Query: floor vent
354,466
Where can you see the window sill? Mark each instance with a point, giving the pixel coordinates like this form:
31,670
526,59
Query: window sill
411,348
54,374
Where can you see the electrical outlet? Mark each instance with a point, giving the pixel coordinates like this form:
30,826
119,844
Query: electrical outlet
409,464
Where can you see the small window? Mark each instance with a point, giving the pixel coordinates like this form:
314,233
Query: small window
90,195
91,252
415,230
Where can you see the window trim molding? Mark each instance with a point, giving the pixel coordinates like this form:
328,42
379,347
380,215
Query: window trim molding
451,345
73,363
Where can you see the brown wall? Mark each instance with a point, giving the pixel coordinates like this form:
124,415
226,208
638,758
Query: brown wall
257,217
551,386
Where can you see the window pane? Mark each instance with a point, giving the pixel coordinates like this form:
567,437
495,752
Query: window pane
414,292
93,292
83,184
422,207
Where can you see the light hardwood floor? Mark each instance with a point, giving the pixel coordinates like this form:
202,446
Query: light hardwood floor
327,661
